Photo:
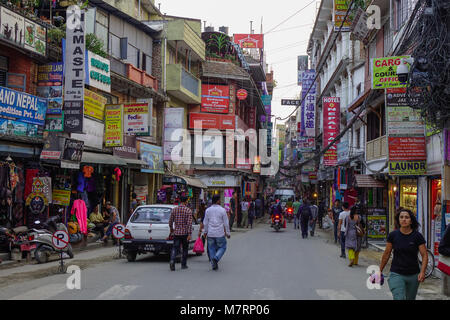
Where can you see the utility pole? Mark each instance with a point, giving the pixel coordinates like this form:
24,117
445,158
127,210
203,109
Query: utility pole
251,27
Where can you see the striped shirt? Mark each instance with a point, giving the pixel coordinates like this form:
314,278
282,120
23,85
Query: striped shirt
182,217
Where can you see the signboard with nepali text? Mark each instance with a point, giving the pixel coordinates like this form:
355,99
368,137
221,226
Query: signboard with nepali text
384,72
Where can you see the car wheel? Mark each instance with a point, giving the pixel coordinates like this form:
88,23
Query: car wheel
131,256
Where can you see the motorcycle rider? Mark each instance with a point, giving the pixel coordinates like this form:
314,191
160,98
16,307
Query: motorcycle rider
277,209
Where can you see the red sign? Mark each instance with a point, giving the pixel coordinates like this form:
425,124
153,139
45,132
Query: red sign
251,41
407,148
331,128
212,121
252,117
215,98
242,94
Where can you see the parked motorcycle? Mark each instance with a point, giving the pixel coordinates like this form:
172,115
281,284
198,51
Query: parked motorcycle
41,236
14,240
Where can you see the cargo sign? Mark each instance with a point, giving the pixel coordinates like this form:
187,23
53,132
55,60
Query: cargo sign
22,107
384,73
135,118
113,126
407,168
215,99
407,148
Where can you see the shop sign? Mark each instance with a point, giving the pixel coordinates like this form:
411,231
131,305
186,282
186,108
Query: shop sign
22,107
306,144
343,152
50,80
249,41
302,65
215,98
339,12
359,25
377,226
212,121
18,128
94,105
74,61
257,165
141,193
128,150
407,168
52,147
73,150
242,94
290,102
308,108
43,185
407,148
61,197
331,128
22,32
98,72
153,156
252,117
173,117
152,125
113,125
93,136
384,73
54,122
136,118
70,165
220,181
401,119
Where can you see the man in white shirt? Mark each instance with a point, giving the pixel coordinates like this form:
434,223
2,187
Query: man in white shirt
244,209
342,226
216,226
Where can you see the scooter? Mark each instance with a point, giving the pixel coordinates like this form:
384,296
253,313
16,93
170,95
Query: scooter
14,240
277,222
289,214
42,238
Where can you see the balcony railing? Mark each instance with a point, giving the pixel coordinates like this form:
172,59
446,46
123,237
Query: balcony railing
376,149
189,82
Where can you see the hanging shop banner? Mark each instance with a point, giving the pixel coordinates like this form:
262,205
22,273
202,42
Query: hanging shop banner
306,144
50,81
407,148
343,152
331,128
52,147
267,101
93,134
113,125
129,148
73,150
252,117
135,118
61,197
141,193
54,122
22,32
407,168
22,107
153,156
212,121
74,61
384,72
98,72
94,105
377,224
339,13
215,98
242,94
302,65
401,119
249,41
308,111
43,185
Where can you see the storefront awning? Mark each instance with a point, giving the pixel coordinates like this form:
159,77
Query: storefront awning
136,162
367,181
190,181
102,158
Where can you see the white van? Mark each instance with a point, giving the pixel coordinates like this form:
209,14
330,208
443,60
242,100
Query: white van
284,194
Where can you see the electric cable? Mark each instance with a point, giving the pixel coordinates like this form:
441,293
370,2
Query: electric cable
290,17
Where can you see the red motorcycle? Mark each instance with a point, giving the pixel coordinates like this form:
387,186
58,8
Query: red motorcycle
289,214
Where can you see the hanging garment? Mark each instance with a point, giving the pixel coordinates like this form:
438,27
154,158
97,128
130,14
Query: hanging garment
80,210
90,185
81,182
88,171
30,175
14,177
118,173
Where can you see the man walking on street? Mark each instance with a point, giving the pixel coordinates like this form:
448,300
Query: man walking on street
336,211
216,227
182,217
342,226
259,208
296,205
314,215
244,212
233,206
304,215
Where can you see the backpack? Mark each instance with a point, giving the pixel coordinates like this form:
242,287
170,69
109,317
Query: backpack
306,213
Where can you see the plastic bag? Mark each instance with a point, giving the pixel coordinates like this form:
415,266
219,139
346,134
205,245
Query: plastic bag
326,223
198,246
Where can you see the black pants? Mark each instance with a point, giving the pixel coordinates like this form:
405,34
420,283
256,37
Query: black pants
100,227
232,220
304,227
177,242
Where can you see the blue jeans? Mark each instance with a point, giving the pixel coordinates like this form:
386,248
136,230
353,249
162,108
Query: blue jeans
217,247
180,241
111,226
343,243
296,222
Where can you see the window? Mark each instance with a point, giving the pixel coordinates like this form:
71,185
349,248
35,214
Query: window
114,46
388,39
147,63
151,215
358,140
101,27
133,56
404,8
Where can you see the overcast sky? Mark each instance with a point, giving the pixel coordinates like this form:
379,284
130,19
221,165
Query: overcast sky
282,46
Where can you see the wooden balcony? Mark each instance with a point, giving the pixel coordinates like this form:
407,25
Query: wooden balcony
376,149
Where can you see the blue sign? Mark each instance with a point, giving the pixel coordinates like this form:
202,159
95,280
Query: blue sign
153,156
23,107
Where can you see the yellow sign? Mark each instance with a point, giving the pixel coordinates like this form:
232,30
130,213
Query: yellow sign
94,105
61,197
384,72
113,125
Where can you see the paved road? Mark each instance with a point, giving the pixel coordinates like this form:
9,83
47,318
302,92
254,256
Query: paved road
259,264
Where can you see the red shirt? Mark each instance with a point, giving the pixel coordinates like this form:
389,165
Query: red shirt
182,216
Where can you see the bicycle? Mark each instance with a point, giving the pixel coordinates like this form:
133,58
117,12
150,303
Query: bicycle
430,264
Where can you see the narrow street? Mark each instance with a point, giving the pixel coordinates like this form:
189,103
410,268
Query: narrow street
259,264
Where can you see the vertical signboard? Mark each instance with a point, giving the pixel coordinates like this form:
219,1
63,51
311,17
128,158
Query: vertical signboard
113,126
331,128
302,65
340,11
74,65
308,121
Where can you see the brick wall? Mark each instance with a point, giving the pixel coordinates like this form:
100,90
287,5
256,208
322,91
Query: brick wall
21,64
157,66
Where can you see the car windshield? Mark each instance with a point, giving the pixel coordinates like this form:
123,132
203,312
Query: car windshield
151,215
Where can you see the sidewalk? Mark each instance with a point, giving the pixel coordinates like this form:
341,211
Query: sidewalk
431,289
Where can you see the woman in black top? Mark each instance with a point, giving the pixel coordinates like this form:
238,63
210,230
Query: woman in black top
406,242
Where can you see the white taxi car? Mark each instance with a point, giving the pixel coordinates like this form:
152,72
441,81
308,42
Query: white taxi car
148,231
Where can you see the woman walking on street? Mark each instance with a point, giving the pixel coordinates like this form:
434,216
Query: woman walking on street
352,239
251,214
405,274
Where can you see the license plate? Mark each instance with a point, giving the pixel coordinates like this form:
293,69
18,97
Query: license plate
149,247
277,220
27,247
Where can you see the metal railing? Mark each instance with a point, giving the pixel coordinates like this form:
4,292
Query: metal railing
189,82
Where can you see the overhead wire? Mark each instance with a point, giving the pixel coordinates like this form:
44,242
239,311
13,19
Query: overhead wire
290,17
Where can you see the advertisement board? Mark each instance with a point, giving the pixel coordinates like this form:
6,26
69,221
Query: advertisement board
98,72
61,197
93,134
331,128
377,226
302,65
339,12
402,120
407,148
94,105
249,41
308,109
50,81
215,99
212,121
384,72
153,156
113,125
407,168
136,118
54,122
306,144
